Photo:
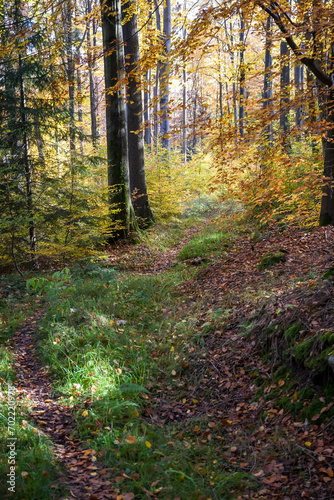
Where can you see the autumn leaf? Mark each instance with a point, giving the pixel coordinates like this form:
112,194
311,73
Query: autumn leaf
84,413
128,496
131,439
148,444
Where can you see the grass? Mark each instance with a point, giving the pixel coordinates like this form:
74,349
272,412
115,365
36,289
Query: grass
110,340
207,244
119,347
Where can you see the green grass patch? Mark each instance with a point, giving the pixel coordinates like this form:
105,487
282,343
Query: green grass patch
208,243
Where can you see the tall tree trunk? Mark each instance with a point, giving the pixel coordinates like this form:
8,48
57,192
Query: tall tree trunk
79,104
299,80
327,201
117,148
70,72
147,110
242,78
91,57
164,75
156,117
268,85
184,139
284,89
235,101
135,116
194,134
220,111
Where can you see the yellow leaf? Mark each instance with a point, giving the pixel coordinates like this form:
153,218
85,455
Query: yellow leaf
84,413
148,444
173,372
131,439
136,413
307,443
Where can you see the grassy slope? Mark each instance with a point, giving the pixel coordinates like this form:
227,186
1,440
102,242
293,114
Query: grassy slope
148,364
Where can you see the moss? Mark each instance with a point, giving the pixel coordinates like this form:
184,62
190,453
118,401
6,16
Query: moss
303,350
328,273
270,260
319,363
291,333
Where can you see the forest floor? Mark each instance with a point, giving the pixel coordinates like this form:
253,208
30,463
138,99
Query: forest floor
190,366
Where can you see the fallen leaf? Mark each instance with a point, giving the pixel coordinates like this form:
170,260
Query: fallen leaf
131,439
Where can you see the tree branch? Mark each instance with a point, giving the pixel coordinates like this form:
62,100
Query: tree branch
311,63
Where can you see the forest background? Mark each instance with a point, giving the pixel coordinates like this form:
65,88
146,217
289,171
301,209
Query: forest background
233,101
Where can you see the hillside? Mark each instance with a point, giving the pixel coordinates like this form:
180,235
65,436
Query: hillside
189,366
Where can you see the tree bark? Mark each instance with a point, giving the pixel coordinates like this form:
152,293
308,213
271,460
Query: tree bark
135,117
268,85
164,76
242,78
121,210
147,110
299,80
91,57
284,90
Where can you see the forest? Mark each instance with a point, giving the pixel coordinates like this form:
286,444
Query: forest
166,249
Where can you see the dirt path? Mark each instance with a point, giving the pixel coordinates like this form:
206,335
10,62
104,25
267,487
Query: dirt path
84,477
159,261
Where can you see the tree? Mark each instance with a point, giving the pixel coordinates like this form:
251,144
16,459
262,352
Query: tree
268,84
91,59
284,90
117,147
242,77
317,19
135,115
